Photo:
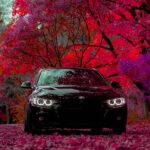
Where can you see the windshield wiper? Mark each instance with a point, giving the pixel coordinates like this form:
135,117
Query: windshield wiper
47,86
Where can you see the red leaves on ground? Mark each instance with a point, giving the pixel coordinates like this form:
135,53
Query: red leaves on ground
137,138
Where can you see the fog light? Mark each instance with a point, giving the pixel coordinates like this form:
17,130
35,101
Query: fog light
41,118
118,118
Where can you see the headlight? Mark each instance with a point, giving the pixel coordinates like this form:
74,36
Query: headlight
116,101
41,102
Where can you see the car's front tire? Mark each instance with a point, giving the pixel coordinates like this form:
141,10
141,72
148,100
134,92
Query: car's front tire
119,128
96,130
27,120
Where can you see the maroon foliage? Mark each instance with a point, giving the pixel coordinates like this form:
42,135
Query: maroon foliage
137,137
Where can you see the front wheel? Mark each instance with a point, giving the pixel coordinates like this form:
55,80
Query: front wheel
28,121
96,130
119,128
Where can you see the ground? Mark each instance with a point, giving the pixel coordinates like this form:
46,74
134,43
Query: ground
137,137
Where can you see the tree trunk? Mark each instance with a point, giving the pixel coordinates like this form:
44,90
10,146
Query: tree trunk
8,113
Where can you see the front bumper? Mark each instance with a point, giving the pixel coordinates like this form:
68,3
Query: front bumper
55,116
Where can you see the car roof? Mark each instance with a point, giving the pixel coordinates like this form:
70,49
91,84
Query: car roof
68,68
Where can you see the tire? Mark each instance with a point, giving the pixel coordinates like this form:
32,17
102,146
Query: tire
36,130
119,128
28,120
96,130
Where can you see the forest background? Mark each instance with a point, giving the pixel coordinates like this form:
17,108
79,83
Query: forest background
112,36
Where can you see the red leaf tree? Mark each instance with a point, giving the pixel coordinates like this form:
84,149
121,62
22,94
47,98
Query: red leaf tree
87,33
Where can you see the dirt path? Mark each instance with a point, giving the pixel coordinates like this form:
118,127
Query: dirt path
12,137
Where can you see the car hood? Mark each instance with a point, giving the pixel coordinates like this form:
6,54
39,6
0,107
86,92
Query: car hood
71,91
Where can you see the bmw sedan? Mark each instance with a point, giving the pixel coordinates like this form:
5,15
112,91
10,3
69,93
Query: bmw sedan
74,98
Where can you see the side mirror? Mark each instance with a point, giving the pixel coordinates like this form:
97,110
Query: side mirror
26,84
115,85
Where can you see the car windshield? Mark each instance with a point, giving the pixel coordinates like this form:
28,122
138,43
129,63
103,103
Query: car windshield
80,77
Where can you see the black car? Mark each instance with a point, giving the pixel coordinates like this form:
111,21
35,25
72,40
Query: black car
74,98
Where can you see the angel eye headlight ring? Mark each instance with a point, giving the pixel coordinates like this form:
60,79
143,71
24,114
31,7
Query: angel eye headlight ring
48,102
41,102
116,101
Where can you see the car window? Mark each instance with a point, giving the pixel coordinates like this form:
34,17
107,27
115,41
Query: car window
81,77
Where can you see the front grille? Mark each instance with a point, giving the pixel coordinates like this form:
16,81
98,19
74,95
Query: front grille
75,102
71,103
